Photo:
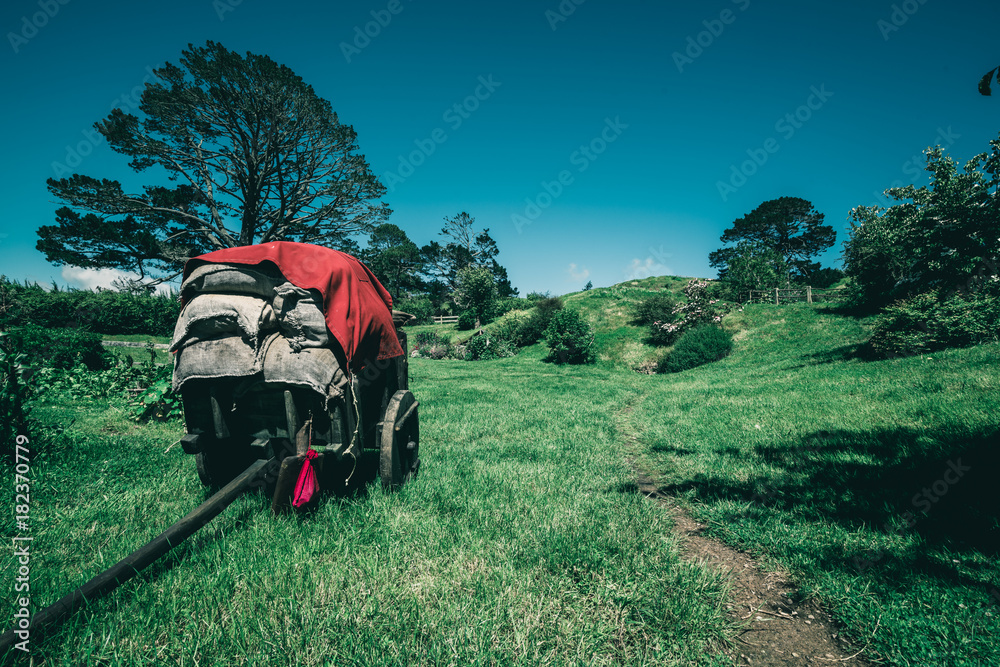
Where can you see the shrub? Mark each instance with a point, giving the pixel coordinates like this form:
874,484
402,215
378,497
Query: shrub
700,309
103,311
61,348
701,345
419,306
506,305
932,321
569,338
433,345
158,402
655,308
466,320
532,329
16,395
496,343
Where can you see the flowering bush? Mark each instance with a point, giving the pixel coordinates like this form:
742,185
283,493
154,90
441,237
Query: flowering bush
433,345
698,310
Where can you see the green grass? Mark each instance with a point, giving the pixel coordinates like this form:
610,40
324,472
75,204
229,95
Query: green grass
524,541
792,449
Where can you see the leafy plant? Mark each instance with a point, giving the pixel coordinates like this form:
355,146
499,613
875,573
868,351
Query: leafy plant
498,342
654,308
466,320
432,345
16,396
532,329
569,338
158,402
932,321
701,345
938,237
61,348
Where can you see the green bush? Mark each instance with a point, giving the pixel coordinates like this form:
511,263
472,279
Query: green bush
16,395
506,305
532,329
569,338
700,309
701,345
496,343
419,306
932,321
61,348
432,345
655,308
466,320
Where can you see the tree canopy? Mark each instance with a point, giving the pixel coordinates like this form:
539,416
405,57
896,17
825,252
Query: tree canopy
464,248
250,153
789,226
939,237
395,260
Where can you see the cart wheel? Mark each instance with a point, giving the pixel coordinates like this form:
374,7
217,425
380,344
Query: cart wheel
220,465
398,460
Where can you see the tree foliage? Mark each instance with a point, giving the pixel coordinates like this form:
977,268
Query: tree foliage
754,266
939,237
251,155
394,259
984,83
476,292
789,226
464,247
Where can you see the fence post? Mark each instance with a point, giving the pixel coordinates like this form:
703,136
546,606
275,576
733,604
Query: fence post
809,294
776,296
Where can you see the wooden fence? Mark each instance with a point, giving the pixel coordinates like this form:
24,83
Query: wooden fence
797,295
445,319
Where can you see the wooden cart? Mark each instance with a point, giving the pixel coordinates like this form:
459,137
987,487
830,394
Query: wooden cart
227,430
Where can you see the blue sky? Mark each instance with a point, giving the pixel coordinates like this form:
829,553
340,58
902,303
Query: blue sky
596,140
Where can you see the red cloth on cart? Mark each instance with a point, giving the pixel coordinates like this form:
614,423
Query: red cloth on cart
357,308
306,486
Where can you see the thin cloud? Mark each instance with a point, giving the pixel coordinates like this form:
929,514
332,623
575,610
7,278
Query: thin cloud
94,278
578,274
640,269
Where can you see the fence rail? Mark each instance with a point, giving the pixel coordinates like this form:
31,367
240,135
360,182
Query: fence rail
445,319
797,295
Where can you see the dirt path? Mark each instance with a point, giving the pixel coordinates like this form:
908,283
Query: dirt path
777,630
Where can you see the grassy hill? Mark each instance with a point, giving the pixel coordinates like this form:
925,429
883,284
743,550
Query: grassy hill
524,540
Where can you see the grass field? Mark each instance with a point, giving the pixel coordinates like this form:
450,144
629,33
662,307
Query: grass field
524,541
